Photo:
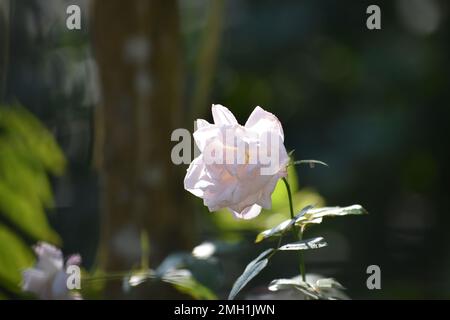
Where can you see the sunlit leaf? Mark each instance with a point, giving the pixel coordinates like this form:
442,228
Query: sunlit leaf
139,277
251,271
315,216
32,137
282,227
324,288
183,281
329,283
307,244
15,256
297,284
27,217
28,152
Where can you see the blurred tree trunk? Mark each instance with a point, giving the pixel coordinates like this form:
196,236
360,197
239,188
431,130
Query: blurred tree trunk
138,50
206,59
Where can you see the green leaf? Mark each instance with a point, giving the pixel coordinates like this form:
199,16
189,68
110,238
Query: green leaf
283,284
28,217
28,152
314,243
31,136
251,271
327,289
315,216
184,282
297,284
329,283
282,227
180,278
276,231
309,215
15,256
138,277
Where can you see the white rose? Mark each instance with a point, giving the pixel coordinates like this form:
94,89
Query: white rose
48,279
239,166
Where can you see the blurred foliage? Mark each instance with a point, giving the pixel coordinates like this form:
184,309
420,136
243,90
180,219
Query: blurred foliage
183,281
185,273
15,255
194,275
51,71
374,105
28,153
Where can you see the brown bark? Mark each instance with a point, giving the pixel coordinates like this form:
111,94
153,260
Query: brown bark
138,51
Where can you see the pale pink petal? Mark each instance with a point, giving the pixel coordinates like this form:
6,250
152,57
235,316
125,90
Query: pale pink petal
74,259
195,179
222,116
249,190
59,286
284,161
244,203
50,258
265,200
205,134
217,196
36,281
248,213
47,250
263,121
200,123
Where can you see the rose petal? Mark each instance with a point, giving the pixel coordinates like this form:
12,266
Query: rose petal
265,200
217,197
262,121
74,259
222,116
59,286
200,123
205,134
195,179
50,258
248,213
36,281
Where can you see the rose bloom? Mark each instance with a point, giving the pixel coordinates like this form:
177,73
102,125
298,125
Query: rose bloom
239,166
48,279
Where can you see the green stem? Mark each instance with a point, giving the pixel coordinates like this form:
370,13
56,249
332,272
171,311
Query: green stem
298,235
288,188
302,261
109,276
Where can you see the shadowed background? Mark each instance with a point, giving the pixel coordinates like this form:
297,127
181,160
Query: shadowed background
371,104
